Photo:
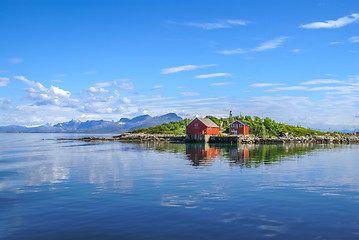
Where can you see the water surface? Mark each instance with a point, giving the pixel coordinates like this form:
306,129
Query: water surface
53,189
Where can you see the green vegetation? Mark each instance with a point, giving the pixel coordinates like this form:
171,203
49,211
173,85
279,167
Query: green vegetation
171,128
259,155
257,126
265,127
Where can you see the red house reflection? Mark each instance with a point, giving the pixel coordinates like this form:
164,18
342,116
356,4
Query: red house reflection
201,154
239,155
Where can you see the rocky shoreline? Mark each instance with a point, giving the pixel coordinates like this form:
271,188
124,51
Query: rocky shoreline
134,137
249,139
303,139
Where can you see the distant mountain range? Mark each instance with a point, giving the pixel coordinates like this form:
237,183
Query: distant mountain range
96,126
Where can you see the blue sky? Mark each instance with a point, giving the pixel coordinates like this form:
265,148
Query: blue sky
294,61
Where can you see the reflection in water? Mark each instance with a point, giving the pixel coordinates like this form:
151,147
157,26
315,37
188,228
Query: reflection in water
66,189
256,155
243,155
201,154
103,163
205,154
59,162
239,155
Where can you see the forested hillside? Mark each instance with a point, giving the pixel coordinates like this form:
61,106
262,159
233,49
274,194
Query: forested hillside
257,126
173,128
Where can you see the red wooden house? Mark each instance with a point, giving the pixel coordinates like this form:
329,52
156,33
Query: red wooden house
238,128
202,126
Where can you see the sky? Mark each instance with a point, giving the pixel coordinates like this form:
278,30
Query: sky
296,62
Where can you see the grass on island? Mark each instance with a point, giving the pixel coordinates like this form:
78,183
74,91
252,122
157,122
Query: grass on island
257,126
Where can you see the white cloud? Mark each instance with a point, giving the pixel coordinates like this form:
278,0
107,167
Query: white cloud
53,95
200,101
185,68
104,84
354,39
33,114
219,24
122,80
344,89
15,60
265,84
354,78
96,90
55,80
190,94
90,72
292,88
4,82
5,103
30,83
340,22
275,43
59,75
126,86
123,84
96,107
126,100
213,75
297,50
59,92
96,104
234,51
87,116
43,95
221,84
271,44
157,87
334,43
189,106
56,105
321,81
154,98
330,111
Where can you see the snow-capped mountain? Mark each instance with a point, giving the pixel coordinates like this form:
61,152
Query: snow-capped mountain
96,126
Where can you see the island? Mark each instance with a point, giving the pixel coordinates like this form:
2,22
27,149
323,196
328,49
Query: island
260,131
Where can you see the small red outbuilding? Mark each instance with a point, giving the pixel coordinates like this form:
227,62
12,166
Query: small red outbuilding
202,126
238,128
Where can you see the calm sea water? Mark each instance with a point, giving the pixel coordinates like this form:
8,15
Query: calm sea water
53,189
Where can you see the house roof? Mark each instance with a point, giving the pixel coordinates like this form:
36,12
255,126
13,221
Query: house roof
208,122
243,123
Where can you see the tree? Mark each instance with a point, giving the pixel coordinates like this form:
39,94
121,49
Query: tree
214,119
